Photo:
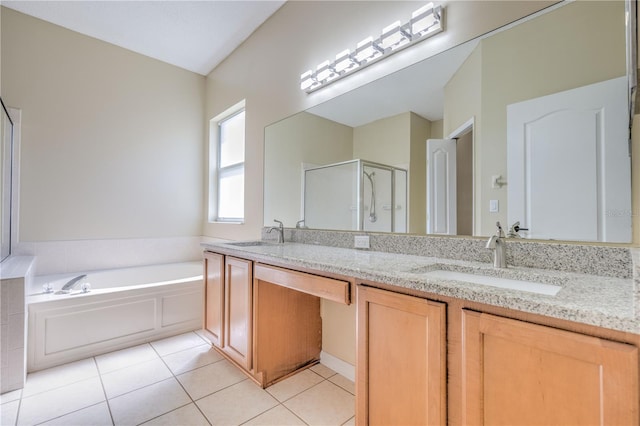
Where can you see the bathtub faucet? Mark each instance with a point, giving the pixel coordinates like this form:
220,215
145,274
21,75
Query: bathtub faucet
72,283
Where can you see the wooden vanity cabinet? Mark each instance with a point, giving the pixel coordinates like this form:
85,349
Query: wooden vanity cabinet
228,306
263,318
238,298
401,359
426,362
214,297
516,372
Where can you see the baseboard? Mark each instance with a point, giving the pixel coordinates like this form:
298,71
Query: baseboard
338,365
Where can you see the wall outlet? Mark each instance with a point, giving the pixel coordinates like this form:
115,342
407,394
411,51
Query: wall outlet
361,241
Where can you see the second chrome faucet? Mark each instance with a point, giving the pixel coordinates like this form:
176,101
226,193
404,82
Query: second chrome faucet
497,244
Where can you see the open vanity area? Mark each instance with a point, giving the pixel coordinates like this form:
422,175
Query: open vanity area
434,349
264,318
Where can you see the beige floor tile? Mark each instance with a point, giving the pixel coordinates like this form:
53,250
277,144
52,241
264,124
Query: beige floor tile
134,377
147,403
277,416
177,343
202,335
236,404
54,403
10,396
125,358
294,385
210,378
190,359
96,415
9,412
323,404
189,415
62,375
344,383
350,422
323,370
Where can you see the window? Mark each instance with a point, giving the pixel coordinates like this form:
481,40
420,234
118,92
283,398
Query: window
227,163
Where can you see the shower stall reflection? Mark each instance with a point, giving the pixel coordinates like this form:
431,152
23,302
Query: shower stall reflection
356,195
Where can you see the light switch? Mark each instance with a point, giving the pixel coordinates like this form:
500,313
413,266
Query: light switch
493,206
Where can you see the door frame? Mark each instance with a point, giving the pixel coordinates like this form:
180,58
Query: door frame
464,128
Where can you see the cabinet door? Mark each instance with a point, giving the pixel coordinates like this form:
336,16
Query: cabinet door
401,375
520,373
214,297
237,324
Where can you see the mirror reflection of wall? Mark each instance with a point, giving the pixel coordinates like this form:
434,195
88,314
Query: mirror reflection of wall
576,44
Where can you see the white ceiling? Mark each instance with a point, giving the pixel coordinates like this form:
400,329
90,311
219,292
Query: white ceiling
194,35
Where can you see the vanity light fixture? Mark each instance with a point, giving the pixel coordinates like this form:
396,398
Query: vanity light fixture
394,36
325,71
344,62
367,50
424,22
308,82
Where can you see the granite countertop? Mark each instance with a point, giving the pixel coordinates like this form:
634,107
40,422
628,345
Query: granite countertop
590,299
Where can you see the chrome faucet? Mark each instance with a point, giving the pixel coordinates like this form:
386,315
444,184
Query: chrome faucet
497,244
515,228
280,229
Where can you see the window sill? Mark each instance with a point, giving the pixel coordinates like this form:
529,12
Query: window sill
219,222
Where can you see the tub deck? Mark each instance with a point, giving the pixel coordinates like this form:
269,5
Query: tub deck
153,302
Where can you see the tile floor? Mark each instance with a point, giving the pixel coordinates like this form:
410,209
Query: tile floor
174,381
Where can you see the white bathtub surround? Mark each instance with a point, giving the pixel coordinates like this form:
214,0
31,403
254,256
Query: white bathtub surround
16,274
55,257
125,307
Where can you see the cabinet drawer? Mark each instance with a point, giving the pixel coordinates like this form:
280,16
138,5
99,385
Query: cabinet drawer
326,288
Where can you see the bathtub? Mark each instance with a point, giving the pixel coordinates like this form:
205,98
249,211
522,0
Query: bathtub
124,307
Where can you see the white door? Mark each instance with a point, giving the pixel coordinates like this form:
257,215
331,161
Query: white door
569,171
441,186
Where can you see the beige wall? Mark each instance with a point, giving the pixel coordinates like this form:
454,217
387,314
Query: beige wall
266,68
112,141
339,330
464,182
421,130
384,141
302,138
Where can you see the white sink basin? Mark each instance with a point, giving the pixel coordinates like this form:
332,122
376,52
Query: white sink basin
529,286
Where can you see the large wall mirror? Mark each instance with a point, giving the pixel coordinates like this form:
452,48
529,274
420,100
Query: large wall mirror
528,125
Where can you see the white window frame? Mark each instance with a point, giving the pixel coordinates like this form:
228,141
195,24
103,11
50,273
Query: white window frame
215,171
